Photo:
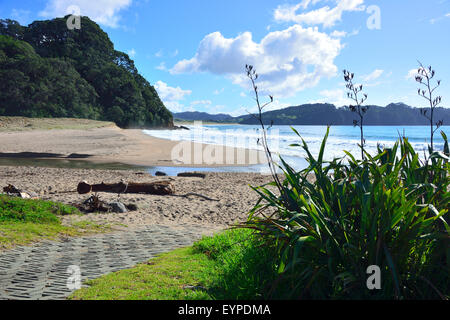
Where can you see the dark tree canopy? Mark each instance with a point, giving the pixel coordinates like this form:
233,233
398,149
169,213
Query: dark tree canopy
47,70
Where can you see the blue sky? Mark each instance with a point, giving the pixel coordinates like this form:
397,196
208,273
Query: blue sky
194,51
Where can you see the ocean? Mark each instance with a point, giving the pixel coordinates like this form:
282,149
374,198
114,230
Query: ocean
282,137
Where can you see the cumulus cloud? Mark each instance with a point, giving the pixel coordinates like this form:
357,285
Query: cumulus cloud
105,12
173,96
325,16
170,93
288,61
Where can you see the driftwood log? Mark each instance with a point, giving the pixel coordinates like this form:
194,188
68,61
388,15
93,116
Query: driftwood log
191,175
157,188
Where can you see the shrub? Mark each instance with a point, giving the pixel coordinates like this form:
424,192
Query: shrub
243,264
389,210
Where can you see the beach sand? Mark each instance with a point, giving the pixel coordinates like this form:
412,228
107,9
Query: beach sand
230,194
114,145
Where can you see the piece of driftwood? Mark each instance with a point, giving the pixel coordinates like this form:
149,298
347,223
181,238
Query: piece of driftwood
192,175
13,191
157,188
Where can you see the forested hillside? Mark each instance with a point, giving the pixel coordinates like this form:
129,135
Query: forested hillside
327,114
47,70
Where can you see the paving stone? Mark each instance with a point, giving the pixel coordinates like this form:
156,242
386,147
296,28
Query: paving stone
40,271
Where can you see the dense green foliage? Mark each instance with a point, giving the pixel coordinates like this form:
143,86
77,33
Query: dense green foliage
47,70
14,209
390,210
243,265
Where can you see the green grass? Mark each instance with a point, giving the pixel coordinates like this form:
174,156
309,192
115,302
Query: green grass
163,278
226,266
24,221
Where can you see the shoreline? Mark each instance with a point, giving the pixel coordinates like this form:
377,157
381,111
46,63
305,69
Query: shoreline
112,145
29,159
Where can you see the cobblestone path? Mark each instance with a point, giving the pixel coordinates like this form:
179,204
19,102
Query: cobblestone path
40,271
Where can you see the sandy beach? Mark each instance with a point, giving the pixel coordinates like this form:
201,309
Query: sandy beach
111,144
221,198
230,196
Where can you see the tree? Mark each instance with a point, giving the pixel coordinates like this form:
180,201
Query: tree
95,82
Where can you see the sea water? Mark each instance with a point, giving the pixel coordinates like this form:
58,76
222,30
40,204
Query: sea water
281,139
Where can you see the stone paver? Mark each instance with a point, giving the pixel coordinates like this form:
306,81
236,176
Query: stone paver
40,271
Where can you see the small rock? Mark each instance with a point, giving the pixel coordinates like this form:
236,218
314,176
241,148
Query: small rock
118,207
25,195
160,174
33,195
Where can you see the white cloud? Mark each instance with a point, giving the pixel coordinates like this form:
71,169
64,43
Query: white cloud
217,91
337,97
175,106
372,76
411,74
325,16
131,53
343,34
105,12
216,109
159,54
170,93
288,61
338,34
201,103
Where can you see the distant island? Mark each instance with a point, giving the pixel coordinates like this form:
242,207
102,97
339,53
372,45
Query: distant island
326,114
47,70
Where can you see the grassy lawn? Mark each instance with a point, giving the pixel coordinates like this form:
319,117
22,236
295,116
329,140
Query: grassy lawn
23,221
213,268
164,277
